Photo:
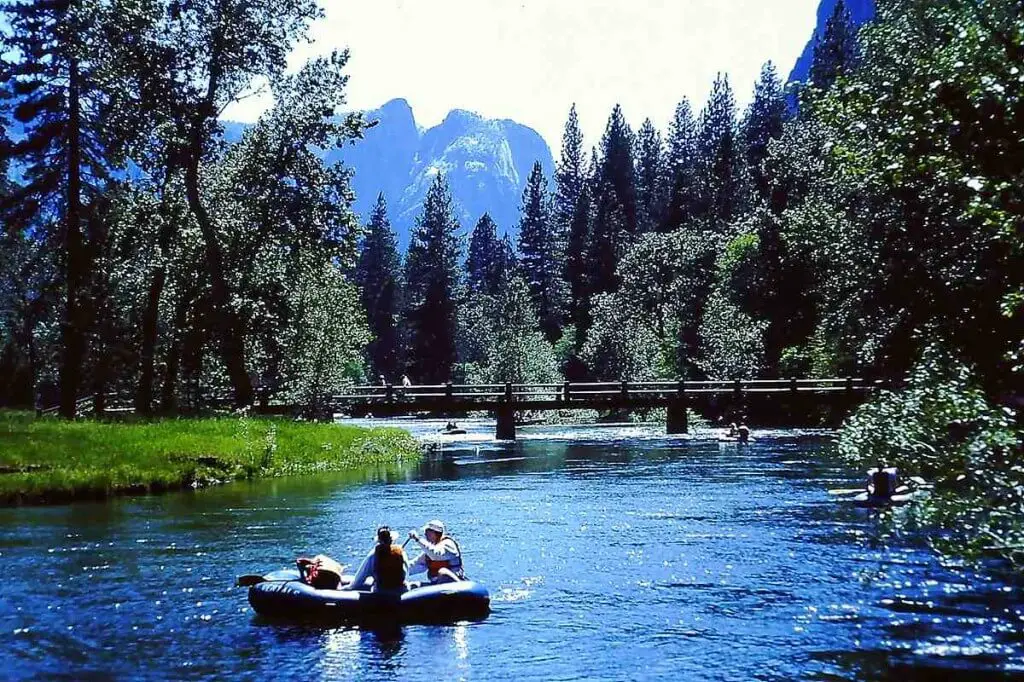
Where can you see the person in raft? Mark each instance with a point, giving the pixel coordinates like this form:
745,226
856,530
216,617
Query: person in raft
743,431
386,564
441,558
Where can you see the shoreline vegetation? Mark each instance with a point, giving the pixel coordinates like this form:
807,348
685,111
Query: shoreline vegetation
49,461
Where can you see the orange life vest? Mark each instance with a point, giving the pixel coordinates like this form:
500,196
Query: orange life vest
389,568
455,566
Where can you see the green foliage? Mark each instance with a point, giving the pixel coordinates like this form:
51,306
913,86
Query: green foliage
490,259
719,156
649,178
432,282
835,50
620,345
518,351
942,426
540,254
681,169
379,278
913,222
327,335
731,342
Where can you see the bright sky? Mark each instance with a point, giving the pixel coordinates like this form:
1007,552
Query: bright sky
529,60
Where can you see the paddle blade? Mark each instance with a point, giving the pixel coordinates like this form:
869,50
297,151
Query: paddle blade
248,580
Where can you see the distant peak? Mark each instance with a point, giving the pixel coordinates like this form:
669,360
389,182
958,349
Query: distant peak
461,115
397,103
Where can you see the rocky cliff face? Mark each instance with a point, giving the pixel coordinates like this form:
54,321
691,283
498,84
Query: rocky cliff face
486,162
861,12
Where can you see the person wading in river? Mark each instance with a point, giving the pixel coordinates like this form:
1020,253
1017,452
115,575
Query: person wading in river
386,563
441,558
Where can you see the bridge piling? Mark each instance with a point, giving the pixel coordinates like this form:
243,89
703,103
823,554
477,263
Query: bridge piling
506,423
676,419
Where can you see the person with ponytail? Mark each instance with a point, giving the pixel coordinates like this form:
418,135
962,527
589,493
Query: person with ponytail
386,563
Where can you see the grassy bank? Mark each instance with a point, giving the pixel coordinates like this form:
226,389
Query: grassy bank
48,460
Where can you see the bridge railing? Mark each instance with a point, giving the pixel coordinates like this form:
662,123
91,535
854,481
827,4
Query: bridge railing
568,391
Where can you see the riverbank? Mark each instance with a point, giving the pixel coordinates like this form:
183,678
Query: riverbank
49,460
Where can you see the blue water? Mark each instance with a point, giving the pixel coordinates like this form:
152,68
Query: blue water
610,553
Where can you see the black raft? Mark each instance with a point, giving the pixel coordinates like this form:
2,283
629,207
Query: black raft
283,596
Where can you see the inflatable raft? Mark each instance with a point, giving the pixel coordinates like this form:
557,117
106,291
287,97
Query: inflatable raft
899,499
283,596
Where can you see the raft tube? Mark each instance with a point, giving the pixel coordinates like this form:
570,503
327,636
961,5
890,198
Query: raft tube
283,596
865,499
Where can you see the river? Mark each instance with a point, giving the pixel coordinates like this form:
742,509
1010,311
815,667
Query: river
610,553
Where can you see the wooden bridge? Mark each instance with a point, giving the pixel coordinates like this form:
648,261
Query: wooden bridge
676,396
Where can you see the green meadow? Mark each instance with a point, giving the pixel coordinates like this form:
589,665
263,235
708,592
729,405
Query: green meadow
45,460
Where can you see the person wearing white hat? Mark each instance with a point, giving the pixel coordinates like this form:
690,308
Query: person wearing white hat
441,558
386,563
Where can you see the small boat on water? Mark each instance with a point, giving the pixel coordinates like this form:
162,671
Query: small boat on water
282,595
453,432
735,439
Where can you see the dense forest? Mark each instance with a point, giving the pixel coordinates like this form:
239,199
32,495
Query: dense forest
867,222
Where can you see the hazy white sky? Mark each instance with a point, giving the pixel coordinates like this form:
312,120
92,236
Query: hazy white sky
529,60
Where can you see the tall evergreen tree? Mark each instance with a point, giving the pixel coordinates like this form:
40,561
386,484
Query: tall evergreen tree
762,124
539,254
48,78
608,235
378,274
616,170
571,173
835,50
576,262
432,281
487,261
649,177
719,156
681,168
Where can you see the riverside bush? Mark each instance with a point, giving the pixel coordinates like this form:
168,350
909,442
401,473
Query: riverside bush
942,427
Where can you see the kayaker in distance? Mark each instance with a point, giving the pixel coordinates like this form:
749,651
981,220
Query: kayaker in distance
441,558
386,563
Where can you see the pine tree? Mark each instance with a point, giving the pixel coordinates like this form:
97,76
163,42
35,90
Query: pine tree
680,168
576,271
571,174
762,124
607,236
487,260
379,277
719,157
432,281
835,50
616,170
649,178
48,77
539,254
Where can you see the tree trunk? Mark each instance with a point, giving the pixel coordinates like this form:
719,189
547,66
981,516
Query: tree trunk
232,345
151,315
144,393
74,327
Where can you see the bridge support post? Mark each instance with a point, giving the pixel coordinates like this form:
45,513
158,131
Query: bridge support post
676,421
506,423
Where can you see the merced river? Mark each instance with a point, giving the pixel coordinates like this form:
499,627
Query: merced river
611,553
